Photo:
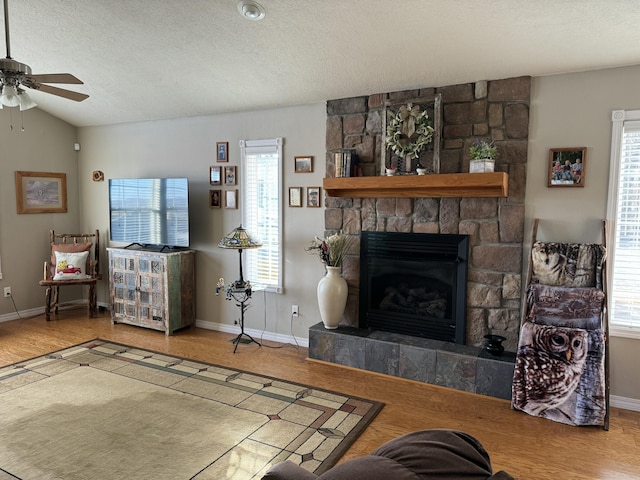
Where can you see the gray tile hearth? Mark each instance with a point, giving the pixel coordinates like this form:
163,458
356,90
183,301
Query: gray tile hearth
461,367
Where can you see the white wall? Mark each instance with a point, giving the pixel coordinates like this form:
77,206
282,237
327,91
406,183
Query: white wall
575,111
45,145
566,110
186,147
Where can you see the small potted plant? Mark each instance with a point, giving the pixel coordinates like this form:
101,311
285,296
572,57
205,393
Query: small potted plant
483,155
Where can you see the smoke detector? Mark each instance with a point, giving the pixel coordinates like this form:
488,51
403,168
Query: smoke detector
251,10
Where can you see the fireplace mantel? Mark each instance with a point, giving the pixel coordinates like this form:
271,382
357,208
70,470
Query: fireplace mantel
490,184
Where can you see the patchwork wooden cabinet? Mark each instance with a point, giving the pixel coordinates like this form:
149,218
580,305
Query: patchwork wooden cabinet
152,289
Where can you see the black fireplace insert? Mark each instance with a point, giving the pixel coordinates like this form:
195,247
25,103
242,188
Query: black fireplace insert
414,284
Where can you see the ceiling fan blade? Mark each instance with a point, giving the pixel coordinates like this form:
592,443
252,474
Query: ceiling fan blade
56,78
61,92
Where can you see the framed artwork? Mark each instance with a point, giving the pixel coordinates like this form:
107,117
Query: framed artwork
230,176
303,164
231,199
295,196
567,167
222,151
41,192
313,196
215,198
411,114
215,175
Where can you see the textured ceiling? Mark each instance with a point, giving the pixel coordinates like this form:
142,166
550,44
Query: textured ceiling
158,59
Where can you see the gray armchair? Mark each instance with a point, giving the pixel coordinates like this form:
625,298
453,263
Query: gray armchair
427,454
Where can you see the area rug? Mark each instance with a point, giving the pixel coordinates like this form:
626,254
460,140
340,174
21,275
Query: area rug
104,410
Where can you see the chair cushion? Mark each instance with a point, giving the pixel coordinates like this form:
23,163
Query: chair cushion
70,265
70,248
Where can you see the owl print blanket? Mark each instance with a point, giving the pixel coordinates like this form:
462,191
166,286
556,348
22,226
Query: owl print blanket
567,264
559,371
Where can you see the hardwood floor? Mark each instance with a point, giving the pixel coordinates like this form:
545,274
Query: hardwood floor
526,447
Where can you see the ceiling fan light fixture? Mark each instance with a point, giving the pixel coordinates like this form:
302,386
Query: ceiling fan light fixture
25,101
251,10
9,97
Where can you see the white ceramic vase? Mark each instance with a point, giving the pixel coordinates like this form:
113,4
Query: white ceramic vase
332,297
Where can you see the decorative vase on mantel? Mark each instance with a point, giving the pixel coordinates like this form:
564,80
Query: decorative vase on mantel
332,297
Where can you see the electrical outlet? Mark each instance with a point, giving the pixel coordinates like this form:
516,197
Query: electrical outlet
7,292
294,310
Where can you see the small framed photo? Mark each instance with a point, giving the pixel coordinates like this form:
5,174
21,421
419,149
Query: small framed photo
303,164
231,199
222,151
295,196
313,196
215,175
567,167
41,192
215,198
230,177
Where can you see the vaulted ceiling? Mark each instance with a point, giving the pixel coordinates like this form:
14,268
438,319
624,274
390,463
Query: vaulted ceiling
159,59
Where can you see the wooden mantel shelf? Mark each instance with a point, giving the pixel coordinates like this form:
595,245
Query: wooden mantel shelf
490,184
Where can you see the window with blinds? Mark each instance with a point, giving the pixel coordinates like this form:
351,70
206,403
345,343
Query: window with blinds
624,209
262,209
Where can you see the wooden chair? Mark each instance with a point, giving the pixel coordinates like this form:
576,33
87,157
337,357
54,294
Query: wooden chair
59,272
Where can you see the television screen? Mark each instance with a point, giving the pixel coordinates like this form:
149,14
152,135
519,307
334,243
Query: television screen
149,211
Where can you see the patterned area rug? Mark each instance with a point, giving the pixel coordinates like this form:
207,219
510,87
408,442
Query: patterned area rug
104,410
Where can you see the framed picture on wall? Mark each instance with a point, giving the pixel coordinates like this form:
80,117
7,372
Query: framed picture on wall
567,167
231,199
313,196
215,198
215,175
230,176
303,164
222,151
41,192
295,196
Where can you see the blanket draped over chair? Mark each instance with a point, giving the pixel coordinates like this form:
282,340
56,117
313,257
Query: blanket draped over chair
560,368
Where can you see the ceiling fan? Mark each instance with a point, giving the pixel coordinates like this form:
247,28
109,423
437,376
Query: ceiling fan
15,75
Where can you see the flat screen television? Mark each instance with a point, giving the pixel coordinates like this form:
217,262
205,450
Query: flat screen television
149,211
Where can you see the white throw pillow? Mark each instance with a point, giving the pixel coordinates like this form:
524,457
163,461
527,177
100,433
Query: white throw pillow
70,265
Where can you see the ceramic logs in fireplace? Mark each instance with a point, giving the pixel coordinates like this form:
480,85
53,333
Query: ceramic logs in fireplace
414,284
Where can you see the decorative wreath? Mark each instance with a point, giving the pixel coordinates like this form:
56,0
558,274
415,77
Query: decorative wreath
409,131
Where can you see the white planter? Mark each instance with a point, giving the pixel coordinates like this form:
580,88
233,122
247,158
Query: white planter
332,297
482,165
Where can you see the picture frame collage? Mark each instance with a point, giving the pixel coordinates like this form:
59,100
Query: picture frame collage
304,164
313,197
226,176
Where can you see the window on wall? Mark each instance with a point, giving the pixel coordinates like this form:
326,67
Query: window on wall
624,213
262,209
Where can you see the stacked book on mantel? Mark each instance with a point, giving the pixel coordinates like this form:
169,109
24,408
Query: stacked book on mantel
347,164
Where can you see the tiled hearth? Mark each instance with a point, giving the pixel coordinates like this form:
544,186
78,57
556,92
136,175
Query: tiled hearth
461,367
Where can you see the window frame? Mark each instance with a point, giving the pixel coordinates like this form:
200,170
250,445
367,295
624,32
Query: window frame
618,119
250,255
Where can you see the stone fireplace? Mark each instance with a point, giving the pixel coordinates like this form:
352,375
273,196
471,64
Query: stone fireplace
497,110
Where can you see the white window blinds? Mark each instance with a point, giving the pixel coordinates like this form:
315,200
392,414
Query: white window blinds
624,209
262,209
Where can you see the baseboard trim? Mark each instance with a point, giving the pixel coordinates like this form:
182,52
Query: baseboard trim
625,403
616,401
257,334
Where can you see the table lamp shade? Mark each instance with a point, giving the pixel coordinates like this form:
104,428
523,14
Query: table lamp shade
239,239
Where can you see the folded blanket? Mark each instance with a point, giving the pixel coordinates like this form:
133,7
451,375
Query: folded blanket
565,307
567,264
559,374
